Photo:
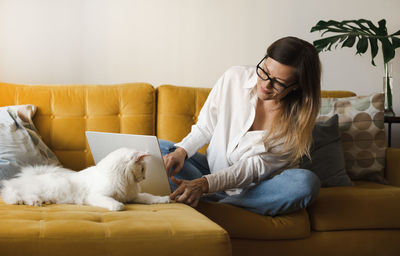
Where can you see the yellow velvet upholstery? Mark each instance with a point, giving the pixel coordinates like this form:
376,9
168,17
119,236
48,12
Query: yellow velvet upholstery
172,229
337,94
176,117
64,114
338,243
392,166
254,226
355,207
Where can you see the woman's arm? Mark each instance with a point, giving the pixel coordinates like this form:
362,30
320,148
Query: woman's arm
241,174
244,172
203,130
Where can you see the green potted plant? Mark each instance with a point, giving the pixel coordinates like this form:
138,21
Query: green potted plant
365,33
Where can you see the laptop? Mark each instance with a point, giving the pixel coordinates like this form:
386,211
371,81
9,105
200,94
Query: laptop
156,182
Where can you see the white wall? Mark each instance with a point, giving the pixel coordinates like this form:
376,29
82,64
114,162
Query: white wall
182,42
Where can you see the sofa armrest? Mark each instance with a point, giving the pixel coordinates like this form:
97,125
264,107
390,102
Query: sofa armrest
392,171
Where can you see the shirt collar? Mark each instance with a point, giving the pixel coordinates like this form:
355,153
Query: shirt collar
252,78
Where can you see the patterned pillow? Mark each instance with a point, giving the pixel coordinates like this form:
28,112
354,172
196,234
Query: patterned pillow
20,142
362,133
327,160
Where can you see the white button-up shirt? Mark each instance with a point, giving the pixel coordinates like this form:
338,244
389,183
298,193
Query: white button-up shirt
224,120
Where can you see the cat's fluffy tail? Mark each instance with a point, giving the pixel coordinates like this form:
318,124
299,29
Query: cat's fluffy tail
11,189
9,194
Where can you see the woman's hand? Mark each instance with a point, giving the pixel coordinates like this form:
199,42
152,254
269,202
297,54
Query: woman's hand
189,191
174,160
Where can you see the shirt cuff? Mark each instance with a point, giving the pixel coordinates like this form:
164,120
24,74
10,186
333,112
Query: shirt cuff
220,181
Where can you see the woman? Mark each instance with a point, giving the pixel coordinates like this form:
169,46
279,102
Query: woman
258,123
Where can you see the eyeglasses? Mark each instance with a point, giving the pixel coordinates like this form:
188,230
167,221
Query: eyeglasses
263,75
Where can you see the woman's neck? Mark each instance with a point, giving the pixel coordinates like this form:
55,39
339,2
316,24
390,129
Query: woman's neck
269,106
265,114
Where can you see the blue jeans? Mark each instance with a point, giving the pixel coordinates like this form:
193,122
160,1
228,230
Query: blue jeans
290,191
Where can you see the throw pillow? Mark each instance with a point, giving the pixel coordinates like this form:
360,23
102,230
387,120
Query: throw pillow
20,142
327,160
362,133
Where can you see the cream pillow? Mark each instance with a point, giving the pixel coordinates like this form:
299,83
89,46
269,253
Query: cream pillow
20,142
361,123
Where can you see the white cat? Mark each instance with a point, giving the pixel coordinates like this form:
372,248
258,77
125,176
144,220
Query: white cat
109,184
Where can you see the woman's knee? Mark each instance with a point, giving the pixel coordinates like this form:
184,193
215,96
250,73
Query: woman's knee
307,184
166,146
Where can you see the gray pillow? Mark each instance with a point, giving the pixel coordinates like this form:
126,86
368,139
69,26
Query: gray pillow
20,142
327,159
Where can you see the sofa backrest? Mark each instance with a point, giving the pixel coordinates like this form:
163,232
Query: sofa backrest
65,112
178,108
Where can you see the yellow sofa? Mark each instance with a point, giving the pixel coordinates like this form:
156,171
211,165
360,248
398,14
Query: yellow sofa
64,113
359,220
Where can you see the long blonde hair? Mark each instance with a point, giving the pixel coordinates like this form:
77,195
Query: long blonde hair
298,110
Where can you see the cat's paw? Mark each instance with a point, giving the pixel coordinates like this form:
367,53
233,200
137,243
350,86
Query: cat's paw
33,202
164,200
117,206
38,203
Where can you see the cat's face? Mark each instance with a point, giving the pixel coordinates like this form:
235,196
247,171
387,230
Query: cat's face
127,162
139,171
136,165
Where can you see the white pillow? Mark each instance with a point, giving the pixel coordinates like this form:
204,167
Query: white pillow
20,142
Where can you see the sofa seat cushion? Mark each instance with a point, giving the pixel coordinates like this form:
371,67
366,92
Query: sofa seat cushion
244,224
367,205
163,229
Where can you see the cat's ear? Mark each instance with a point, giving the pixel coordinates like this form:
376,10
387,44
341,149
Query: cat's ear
141,155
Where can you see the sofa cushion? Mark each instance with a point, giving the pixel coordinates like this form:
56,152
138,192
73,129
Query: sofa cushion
66,112
177,110
367,205
327,160
160,229
20,143
244,224
362,134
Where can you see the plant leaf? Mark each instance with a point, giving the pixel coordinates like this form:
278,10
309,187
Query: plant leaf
327,42
395,42
382,27
333,30
364,28
319,26
349,42
356,27
374,48
396,34
387,50
322,25
362,45
348,31
370,25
